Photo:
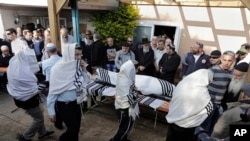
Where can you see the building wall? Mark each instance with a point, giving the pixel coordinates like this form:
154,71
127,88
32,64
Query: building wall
217,28
28,15
7,17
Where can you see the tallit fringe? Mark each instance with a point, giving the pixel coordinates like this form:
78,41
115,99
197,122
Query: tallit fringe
134,112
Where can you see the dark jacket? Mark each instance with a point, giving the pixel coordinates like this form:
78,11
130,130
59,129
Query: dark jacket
4,61
202,63
146,60
112,49
41,46
98,54
169,64
231,116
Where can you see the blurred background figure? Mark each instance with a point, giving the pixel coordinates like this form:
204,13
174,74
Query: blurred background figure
240,55
5,57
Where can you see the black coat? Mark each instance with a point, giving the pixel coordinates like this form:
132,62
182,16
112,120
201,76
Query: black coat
98,54
4,61
169,64
146,60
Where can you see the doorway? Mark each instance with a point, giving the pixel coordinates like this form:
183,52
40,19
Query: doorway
157,28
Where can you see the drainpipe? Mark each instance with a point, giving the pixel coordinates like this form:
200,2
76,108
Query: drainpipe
75,20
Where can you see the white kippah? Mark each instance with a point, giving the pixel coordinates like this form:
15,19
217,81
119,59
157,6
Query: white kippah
50,46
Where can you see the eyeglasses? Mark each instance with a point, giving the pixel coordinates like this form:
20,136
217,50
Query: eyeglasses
213,57
8,33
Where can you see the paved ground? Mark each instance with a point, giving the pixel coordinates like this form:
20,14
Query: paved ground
98,124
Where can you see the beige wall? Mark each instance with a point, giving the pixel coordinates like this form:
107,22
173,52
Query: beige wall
217,28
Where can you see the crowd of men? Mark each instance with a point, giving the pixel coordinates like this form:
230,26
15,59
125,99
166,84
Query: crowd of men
30,55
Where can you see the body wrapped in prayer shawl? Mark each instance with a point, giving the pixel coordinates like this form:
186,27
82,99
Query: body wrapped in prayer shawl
126,96
190,104
147,85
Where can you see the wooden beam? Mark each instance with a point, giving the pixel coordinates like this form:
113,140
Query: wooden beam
59,5
246,3
54,23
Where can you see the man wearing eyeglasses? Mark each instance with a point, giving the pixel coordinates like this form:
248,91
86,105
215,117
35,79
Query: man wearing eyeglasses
197,59
16,43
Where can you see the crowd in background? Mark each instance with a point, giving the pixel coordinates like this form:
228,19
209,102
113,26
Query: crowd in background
156,57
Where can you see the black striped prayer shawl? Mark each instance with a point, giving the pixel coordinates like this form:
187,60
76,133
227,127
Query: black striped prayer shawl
146,84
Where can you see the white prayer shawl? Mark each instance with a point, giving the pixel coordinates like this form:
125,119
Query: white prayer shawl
63,73
145,84
124,87
22,82
190,104
18,45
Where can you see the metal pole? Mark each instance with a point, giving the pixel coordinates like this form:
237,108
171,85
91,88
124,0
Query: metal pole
75,20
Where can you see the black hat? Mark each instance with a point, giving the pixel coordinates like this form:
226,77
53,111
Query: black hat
145,41
243,67
215,53
125,44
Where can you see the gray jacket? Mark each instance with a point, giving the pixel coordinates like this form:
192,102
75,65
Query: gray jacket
122,57
232,115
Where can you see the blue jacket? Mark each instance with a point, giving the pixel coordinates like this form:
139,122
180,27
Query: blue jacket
202,63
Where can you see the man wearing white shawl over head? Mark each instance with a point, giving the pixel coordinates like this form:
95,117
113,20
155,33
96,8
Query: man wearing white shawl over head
23,87
126,100
189,107
65,84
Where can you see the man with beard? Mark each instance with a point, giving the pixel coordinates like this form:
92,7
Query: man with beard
38,44
28,38
145,58
169,64
124,55
234,88
197,59
236,114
